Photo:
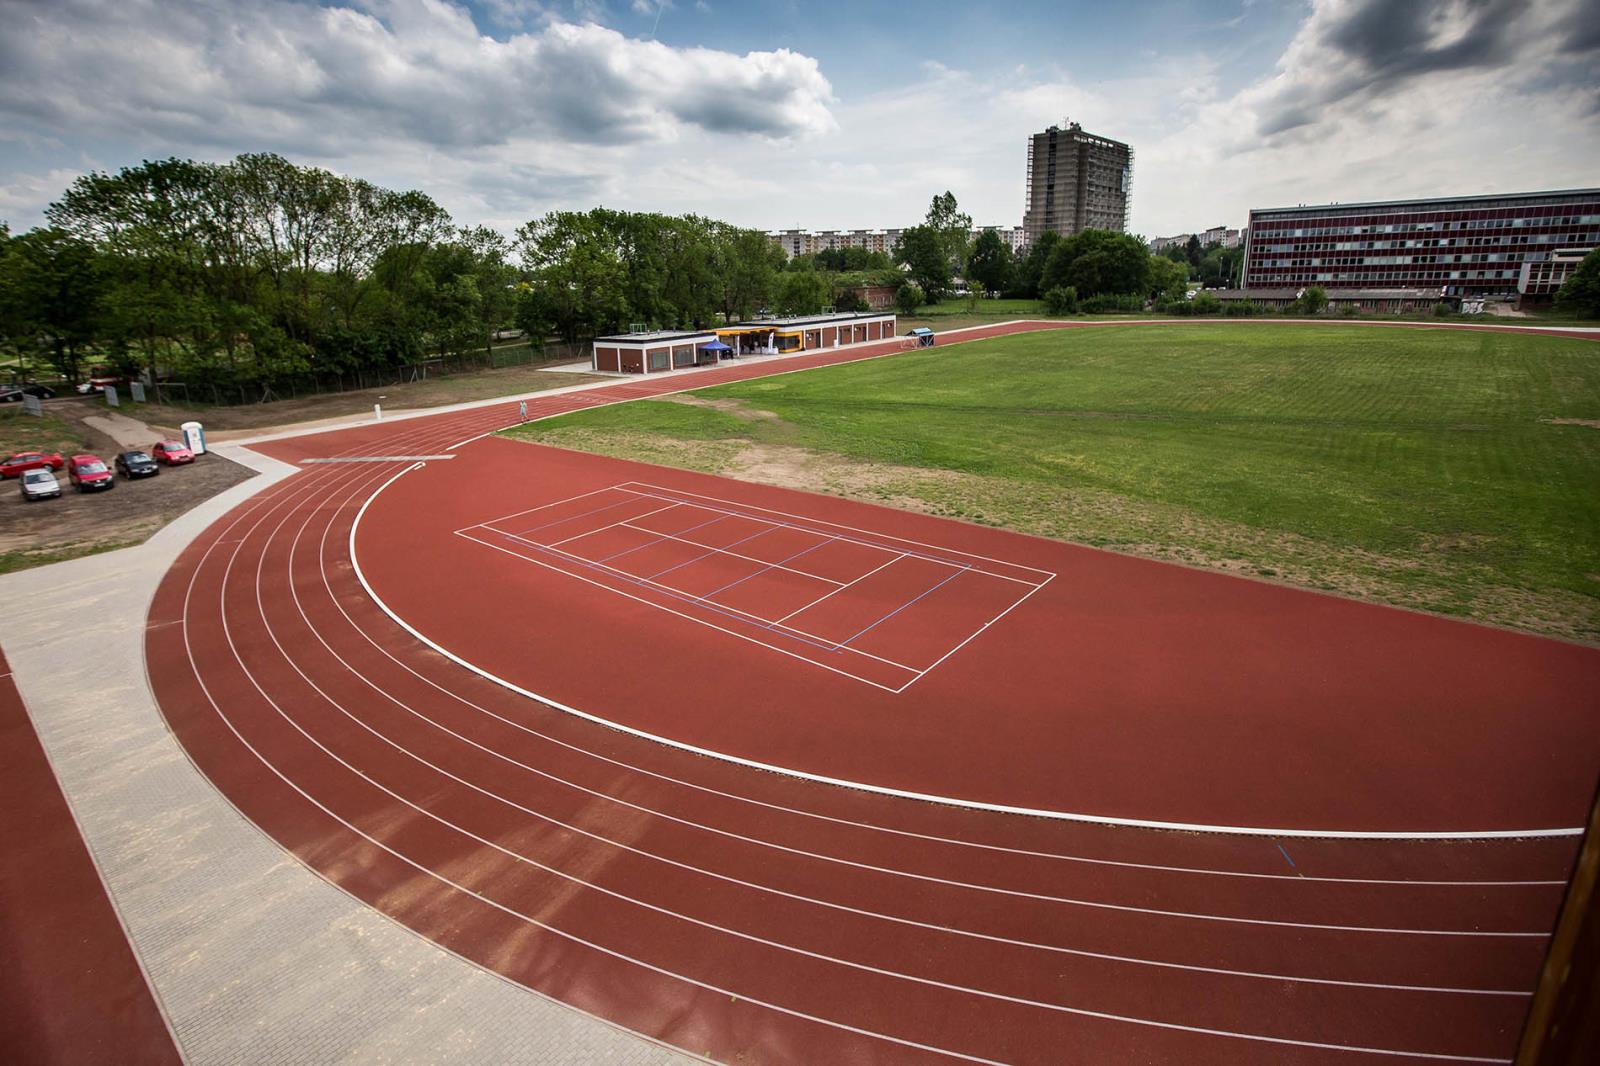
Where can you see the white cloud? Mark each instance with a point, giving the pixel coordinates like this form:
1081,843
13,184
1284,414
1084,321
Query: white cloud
327,79
1371,99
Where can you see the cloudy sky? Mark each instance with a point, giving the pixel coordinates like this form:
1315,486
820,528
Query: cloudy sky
819,114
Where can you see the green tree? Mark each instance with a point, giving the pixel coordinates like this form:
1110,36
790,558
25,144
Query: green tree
990,265
1030,272
1580,293
1097,262
54,289
925,253
908,297
1168,279
802,292
954,229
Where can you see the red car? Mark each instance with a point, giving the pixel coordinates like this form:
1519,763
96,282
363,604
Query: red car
90,474
171,452
22,462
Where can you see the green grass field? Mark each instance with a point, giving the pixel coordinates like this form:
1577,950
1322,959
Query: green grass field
1420,468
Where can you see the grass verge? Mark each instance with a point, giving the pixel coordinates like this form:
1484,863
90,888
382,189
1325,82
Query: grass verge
1447,471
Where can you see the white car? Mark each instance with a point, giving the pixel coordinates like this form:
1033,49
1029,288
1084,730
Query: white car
39,485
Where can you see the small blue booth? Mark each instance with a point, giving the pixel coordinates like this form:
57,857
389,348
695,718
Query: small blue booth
923,335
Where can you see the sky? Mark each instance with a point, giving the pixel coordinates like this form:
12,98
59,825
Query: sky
818,115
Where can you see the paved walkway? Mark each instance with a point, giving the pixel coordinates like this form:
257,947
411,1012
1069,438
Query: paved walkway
253,957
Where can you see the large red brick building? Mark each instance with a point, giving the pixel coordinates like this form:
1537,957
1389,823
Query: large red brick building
1463,246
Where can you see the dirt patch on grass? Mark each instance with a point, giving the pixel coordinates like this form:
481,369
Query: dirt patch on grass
1441,574
739,409
1592,423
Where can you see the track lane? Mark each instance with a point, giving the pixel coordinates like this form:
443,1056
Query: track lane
669,787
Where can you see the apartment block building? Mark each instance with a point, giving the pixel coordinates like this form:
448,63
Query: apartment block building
1076,181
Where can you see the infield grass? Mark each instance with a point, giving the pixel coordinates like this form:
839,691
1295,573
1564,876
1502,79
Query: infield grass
1427,468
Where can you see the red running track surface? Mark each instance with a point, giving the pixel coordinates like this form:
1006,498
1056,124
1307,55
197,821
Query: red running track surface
70,990
747,915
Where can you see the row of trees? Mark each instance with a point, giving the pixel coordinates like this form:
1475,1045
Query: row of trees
252,270
261,271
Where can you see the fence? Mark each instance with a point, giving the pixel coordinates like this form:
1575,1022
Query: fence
188,394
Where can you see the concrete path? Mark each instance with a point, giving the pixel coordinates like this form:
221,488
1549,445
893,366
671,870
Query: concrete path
252,957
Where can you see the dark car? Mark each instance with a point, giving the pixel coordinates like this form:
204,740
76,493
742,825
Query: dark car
136,464
89,473
15,393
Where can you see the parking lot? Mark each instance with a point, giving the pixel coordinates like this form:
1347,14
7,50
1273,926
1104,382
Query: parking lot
77,523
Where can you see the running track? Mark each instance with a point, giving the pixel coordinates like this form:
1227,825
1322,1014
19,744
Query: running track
756,917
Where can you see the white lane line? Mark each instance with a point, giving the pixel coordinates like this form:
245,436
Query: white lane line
729,505
931,837
724,551
891,560
337,601
949,801
379,459
597,529
1082,1012
651,603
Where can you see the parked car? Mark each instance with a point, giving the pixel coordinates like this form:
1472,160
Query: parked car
171,452
136,464
15,393
22,462
39,485
98,380
89,473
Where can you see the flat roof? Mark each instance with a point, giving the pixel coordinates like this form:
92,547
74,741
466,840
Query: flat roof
646,336
819,320
1435,200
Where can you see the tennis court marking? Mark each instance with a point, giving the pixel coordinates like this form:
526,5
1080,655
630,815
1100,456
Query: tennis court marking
777,634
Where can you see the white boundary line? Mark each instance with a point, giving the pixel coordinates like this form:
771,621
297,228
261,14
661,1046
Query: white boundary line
657,606
621,956
765,623
882,790
821,643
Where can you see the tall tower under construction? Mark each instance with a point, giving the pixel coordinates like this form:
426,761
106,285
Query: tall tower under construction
1076,181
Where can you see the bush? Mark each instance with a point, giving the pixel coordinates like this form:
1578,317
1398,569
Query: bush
1313,300
1062,300
1205,303
1112,302
1241,309
1442,310
909,297
850,300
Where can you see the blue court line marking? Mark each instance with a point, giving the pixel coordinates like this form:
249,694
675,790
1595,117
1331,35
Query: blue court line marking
684,597
659,538
769,566
1286,857
845,539
580,514
903,606
714,551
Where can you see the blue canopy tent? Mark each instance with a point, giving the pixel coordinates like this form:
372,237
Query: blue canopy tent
715,350
924,336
